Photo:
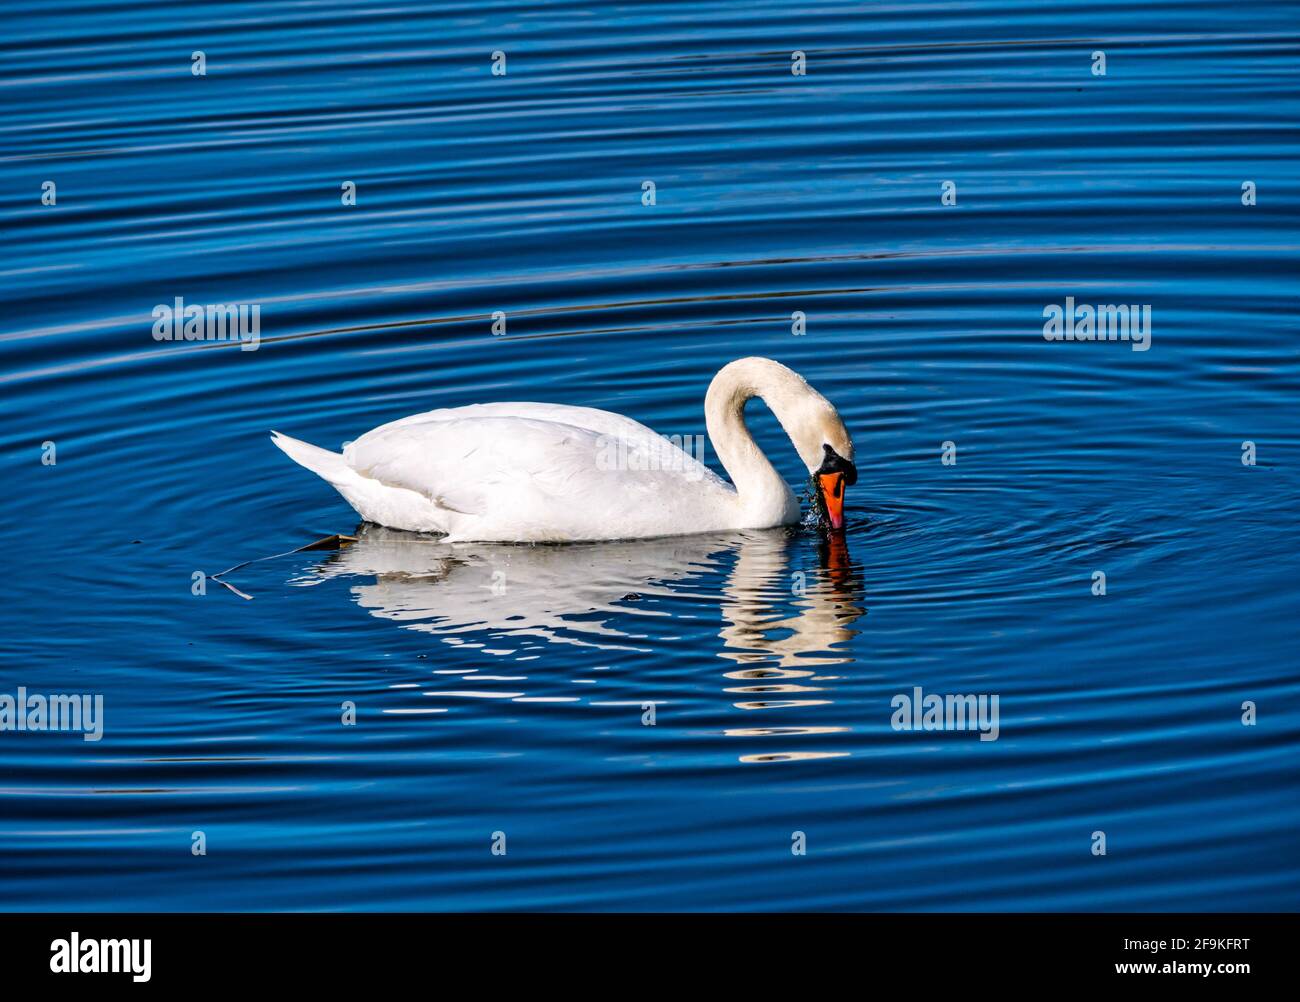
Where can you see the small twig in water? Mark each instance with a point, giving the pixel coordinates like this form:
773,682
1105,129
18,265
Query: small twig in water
335,542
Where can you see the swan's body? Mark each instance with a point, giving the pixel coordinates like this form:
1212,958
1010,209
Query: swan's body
533,472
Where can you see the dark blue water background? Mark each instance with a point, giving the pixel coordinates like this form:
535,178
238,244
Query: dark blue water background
774,194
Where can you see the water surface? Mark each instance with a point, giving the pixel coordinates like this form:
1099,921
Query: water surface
770,658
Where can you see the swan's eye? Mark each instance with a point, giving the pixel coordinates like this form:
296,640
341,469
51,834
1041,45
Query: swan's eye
833,462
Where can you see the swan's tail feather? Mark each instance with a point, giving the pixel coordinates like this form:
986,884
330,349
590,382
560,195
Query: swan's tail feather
374,501
327,465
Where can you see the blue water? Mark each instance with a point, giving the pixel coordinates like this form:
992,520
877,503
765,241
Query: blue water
771,659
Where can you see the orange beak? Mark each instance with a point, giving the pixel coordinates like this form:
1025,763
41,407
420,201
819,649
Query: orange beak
832,487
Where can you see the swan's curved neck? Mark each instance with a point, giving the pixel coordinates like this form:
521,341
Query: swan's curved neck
764,495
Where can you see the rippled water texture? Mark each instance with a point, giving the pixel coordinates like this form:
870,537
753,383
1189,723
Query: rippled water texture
771,658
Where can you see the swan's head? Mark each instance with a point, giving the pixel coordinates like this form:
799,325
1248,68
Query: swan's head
826,449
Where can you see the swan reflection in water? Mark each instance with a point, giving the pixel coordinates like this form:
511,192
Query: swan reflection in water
782,625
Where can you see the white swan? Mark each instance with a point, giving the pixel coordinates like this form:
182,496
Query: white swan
531,472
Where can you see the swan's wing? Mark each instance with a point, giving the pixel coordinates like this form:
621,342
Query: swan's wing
543,478
460,463
611,428
605,423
